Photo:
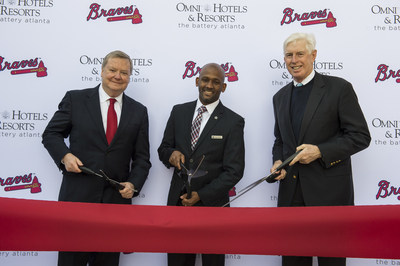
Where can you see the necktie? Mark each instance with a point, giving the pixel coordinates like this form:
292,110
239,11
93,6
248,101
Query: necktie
111,121
195,130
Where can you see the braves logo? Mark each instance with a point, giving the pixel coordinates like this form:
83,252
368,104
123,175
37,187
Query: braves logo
114,13
384,73
10,183
24,67
384,191
192,70
289,16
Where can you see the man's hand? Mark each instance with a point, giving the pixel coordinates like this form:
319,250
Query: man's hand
308,154
282,171
128,191
192,201
72,163
176,158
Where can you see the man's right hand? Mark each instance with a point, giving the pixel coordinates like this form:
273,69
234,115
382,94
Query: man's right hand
176,158
72,163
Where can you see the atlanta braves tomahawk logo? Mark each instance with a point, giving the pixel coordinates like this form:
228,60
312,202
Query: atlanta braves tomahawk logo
192,70
309,18
21,182
115,14
24,67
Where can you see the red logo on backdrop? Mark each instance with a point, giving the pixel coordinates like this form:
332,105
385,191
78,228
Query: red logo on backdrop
309,18
21,182
385,73
114,14
192,70
384,191
232,192
24,67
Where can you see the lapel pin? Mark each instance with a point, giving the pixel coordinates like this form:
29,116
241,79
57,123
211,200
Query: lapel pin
215,117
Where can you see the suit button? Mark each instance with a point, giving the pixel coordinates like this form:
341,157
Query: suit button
294,176
191,160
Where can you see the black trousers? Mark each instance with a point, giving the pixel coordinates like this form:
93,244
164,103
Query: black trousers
298,201
83,258
190,259
177,259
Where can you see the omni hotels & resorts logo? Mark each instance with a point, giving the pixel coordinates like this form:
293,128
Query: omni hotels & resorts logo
389,18
213,16
20,124
24,11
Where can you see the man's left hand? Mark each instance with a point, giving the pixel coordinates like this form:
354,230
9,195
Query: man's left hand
128,191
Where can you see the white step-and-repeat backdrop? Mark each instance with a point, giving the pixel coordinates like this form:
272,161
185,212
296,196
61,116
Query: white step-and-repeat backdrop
51,46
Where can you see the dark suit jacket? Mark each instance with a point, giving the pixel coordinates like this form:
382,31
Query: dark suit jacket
333,121
125,159
222,144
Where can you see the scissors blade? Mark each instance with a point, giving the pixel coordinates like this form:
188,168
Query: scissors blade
270,178
112,181
244,191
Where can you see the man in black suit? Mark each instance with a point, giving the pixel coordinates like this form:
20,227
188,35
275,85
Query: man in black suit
220,146
85,116
319,115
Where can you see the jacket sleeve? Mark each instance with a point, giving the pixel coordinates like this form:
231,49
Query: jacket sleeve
353,135
167,146
57,130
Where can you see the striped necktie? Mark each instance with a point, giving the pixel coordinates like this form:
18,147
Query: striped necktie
195,130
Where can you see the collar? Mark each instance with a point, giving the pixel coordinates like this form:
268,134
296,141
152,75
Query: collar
306,80
104,96
210,107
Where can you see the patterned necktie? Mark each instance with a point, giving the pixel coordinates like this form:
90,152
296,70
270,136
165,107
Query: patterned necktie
194,134
111,121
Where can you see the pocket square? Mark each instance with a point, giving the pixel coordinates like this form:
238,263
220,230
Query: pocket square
216,137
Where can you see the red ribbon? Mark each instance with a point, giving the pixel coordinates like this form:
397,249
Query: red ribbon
348,231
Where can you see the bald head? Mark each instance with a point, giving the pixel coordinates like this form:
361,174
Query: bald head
215,67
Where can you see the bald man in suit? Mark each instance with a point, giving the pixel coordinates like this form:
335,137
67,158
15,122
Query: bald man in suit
220,143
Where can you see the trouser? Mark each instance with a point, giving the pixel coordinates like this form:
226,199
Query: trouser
298,201
190,259
93,258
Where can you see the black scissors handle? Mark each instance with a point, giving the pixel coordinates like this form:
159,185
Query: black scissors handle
89,171
116,184
271,178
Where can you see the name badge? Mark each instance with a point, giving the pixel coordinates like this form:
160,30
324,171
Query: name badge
216,137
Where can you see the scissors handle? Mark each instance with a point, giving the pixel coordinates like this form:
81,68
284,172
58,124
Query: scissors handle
188,190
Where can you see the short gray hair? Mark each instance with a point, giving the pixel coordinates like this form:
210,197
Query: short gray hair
117,54
308,37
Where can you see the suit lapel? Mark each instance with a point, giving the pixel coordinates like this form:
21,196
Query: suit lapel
187,118
314,99
127,113
93,108
285,112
